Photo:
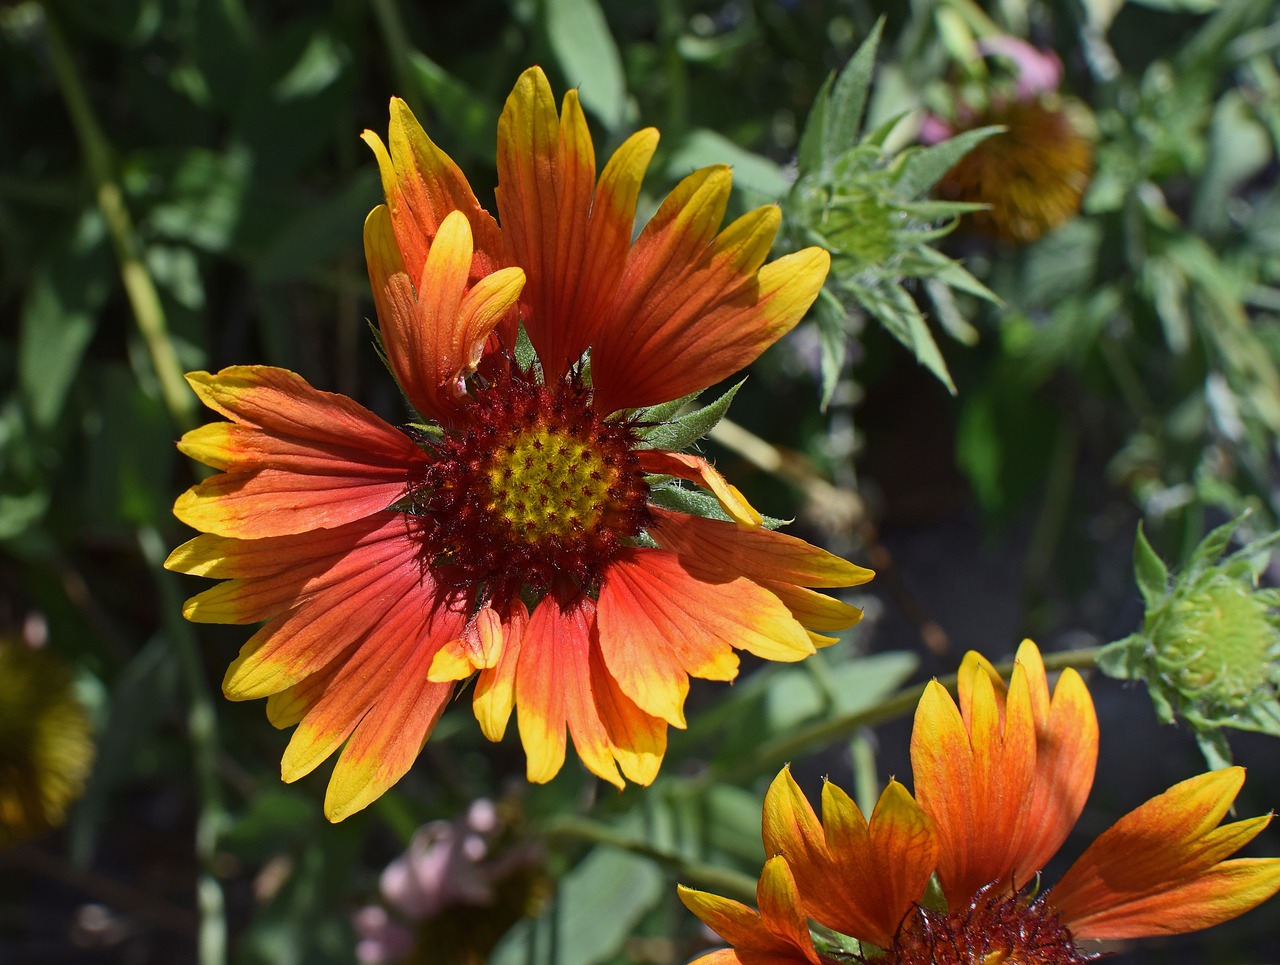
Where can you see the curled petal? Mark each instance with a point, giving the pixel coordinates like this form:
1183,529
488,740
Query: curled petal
698,470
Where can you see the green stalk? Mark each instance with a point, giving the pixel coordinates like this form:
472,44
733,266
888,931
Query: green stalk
202,733
138,284
723,881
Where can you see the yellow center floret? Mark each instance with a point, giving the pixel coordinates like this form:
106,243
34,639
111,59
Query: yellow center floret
546,483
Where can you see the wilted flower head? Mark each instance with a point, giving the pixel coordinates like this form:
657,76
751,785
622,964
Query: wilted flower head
456,890
46,747
1000,780
1034,174
1209,648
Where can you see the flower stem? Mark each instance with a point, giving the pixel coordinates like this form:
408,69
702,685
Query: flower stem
138,283
724,881
202,732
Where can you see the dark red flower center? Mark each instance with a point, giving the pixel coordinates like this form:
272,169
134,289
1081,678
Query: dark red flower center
997,928
531,488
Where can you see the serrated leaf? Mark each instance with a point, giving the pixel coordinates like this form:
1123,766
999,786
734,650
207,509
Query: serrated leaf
1215,543
1149,570
894,308
848,98
924,167
683,431
585,49
948,312
812,139
831,317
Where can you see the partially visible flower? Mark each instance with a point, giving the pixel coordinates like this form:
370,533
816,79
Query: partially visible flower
1034,174
453,894
1000,781
527,531
46,744
1209,648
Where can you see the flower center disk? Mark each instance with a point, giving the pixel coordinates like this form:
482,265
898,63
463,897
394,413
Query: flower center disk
995,929
531,488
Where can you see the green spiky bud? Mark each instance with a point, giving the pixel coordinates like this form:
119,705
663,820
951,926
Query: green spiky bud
1209,650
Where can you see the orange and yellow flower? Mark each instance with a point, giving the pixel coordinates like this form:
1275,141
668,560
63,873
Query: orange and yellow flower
999,782
516,533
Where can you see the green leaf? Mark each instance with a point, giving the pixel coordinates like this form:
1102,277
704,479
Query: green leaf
1215,543
702,147
685,430
585,49
924,167
848,100
1149,570
54,335
793,694
895,309
595,908
831,318
810,153
319,65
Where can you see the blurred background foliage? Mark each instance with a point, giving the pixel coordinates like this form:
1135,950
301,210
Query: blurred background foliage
985,422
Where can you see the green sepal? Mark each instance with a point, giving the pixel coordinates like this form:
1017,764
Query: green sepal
526,354
1122,659
1215,544
1149,570
682,431
667,493
1213,745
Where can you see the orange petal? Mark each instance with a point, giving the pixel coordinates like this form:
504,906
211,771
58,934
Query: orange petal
879,870
709,304
389,738
659,625
298,459
308,637
712,546
422,186
1167,843
857,879
975,783
433,332
639,740
546,178
698,470
479,648
355,688
553,692
778,935
1066,756
1209,898
790,828
814,610
287,707
496,687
